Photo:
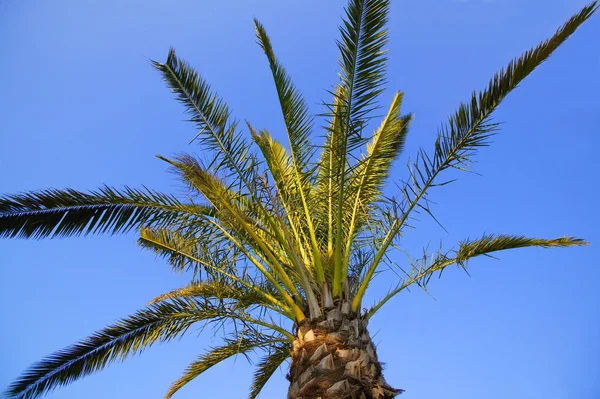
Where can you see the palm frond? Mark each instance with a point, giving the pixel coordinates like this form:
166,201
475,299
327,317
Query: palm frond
289,193
362,58
157,323
329,171
280,166
267,367
488,243
199,248
64,213
291,302
384,147
238,345
295,111
289,188
229,212
229,205
298,125
363,65
422,271
211,115
178,249
367,178
471,127
241,296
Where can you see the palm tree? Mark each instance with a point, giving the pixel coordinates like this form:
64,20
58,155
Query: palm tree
275,230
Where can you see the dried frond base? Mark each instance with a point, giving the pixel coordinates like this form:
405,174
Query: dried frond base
334,358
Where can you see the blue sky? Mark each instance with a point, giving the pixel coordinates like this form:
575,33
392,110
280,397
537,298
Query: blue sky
82,107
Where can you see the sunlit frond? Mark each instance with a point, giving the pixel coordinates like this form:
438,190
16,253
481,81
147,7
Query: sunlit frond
363,65
298,125
241,295
470,128
329,169
366,180
422,271
233,209
280,166
178,249
217,133
368,177
228,208
288,188
200,248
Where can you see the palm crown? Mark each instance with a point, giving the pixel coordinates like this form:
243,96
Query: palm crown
291,229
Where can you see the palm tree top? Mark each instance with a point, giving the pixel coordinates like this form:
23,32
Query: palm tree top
289,229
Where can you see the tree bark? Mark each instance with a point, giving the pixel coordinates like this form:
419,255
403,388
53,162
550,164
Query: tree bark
333,357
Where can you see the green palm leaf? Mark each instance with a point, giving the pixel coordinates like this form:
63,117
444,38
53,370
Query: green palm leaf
362,58
267,367
200,248
158,323
63,213
363,65
217,133
470,128
298,123
280,166
229,206
234,347
288,193
367,178
422,272
212,117
178,249
329,170
296,115
386,145
241,296
229,209
230,212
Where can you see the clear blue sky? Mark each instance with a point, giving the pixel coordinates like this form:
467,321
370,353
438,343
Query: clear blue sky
81,107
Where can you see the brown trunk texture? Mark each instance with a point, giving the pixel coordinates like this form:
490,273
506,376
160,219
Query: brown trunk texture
334,358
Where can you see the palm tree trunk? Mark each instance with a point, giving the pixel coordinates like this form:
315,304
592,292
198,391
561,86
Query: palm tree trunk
334,358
